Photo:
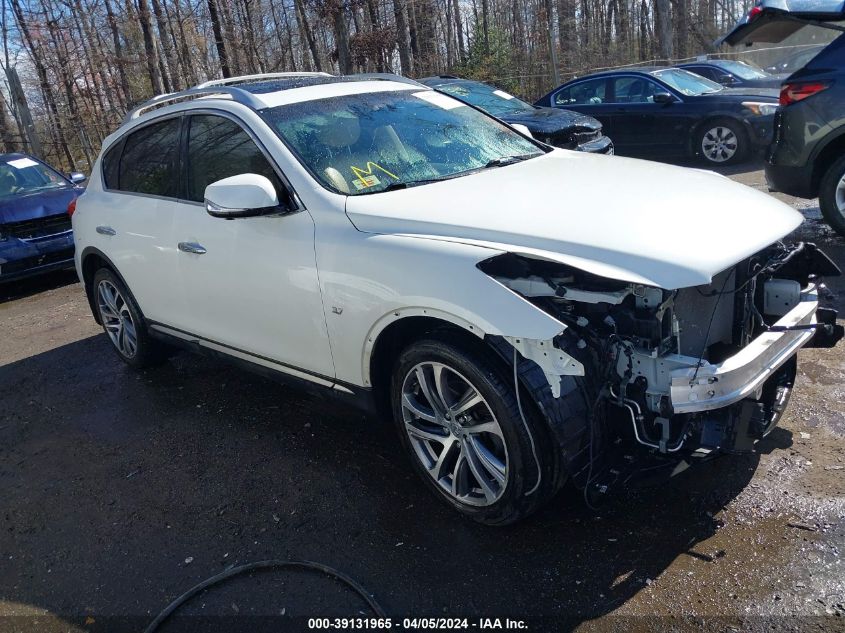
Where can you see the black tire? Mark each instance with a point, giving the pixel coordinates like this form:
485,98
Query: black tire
146,351
520,496
834,216
706,132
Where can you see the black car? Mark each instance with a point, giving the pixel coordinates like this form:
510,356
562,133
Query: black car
35,231
807,158
734,74
668,112
561,128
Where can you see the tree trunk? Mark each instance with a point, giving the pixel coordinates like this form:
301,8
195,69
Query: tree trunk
400,14
167,52
341,34
462,51
302,19
119,60
663,28
46,88
225,68
150,48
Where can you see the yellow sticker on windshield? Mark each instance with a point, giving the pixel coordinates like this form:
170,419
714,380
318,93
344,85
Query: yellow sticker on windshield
361,174
366,181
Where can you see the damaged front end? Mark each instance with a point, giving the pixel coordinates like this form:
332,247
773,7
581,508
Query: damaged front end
689,372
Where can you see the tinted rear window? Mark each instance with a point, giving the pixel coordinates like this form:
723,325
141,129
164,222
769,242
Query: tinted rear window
150,160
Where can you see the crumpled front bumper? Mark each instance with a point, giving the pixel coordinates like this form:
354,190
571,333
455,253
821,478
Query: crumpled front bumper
24,258
741,376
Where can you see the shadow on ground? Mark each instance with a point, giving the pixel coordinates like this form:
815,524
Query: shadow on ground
121,490
10,291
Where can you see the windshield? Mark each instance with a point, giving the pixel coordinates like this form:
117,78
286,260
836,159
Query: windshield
743,71
687,83
489,99
365,143
23,175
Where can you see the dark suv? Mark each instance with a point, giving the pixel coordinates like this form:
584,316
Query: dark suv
807,156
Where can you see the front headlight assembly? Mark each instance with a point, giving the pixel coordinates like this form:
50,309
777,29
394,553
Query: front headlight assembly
760,109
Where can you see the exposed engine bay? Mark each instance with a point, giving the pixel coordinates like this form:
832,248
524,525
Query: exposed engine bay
690,371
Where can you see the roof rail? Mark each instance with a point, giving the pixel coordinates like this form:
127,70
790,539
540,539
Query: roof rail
236,94
389,77
260,77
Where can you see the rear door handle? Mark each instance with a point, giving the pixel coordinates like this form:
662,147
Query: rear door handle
192,247
106,230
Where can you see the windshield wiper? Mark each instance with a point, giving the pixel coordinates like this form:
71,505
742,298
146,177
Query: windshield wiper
401,185
501,161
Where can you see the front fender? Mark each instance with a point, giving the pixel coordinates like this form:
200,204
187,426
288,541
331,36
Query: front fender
373,280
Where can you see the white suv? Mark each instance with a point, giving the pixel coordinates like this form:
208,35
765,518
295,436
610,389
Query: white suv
526,315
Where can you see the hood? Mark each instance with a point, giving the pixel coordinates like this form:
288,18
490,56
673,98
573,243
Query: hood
36,205
551,120
773,82
626,219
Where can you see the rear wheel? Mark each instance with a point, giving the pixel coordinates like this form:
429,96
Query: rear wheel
460,422
123,322
722,142
832,196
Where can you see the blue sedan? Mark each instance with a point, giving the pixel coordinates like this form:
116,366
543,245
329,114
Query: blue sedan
35,230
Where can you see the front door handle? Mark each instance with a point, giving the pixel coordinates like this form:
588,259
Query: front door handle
192,247
106,230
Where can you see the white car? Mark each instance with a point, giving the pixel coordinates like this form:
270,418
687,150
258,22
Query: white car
527,315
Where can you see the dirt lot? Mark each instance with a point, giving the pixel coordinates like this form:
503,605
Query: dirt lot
121,490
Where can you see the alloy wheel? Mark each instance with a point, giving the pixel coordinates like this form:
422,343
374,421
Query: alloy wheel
455,434
117,319
719,144
839,195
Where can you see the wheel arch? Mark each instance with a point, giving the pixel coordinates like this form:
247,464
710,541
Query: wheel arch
826,156
92,259
398,329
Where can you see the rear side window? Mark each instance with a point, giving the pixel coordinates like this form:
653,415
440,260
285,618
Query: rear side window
150,160
218,148
111,166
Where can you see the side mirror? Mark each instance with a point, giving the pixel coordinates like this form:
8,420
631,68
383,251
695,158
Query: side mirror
77,177
664,97
242,196
519,127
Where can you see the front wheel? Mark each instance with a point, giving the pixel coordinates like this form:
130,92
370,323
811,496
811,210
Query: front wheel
459,419
722,142
832,195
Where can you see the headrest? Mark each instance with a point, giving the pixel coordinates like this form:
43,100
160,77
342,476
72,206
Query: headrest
342,130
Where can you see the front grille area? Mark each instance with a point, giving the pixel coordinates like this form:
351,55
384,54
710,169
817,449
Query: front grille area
572,139
38,228
585,137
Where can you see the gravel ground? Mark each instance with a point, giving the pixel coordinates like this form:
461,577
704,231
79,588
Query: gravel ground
120,490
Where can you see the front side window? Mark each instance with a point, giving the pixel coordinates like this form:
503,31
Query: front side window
22,176
491,100
150,160
584,93
364,143
219,148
